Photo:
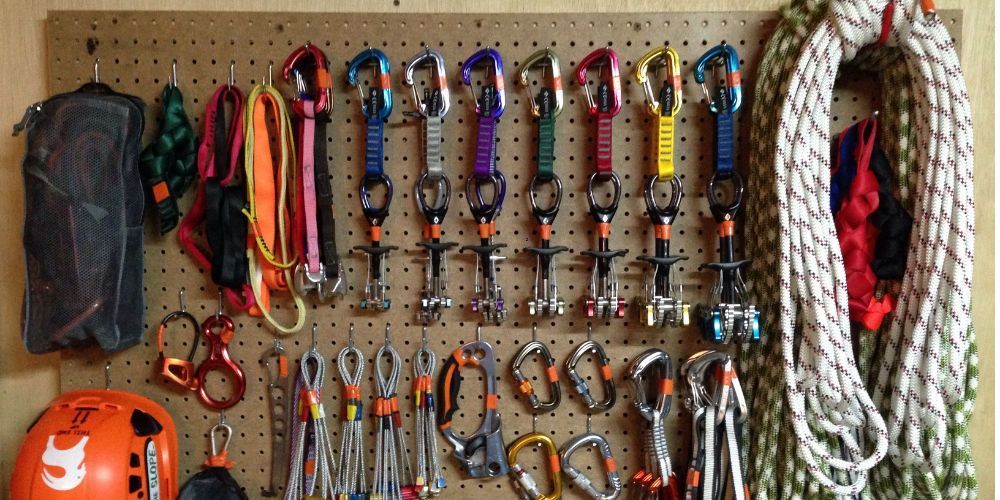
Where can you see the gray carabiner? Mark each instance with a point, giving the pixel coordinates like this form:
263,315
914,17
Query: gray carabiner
579,478
580,384
524,385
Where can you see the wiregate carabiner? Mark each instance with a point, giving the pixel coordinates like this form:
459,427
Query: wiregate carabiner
436,101
550,97
524,385
492,100
177,370
654,366
609,92
589,347
305,58
522,477
579,478
728,97
380,96
668,100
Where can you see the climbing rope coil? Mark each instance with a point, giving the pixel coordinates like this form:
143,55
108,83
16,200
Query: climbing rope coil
910,392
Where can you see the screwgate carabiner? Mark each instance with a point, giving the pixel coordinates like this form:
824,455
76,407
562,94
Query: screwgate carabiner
305,58
654,365
488,438
177,370
275,363
522,477
579,478
580,383
524,385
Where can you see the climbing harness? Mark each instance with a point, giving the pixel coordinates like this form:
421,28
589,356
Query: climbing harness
177,370
731,315
168,163
429,480
662,302
597,354
319,268
376,106
526,484
602,298
219,197
352,482
653,368
546,107
314,478
717,427
489,106
393,477
215,482
481,454
579,478
524,385
218,331
431,108
271,199
275,364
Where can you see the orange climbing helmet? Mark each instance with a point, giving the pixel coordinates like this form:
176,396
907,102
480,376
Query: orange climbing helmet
98,444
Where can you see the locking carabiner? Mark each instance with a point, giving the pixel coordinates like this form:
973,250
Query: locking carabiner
522,477
305,59
579,478
177,370
589,347
654,367
524,385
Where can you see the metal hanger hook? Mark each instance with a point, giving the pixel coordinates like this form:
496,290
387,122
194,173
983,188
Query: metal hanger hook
180,297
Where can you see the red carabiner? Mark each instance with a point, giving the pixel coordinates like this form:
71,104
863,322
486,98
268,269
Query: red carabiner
605,107
219,331
322,83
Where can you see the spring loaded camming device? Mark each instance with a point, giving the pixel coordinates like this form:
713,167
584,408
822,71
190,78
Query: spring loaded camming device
431,108
589,347
319,269
305,477
545,107
654,368
352,483
376,106
177,370
579,478
526,484
603,299
662,302
524,385
429,479
275,363
489,106
481,454
393,476
731,316
717,427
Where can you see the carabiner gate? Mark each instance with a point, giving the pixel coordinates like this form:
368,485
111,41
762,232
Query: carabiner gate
434,102
609,92
384,102
551,96
730,96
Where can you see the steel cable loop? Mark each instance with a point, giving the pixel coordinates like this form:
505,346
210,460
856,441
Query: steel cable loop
351,479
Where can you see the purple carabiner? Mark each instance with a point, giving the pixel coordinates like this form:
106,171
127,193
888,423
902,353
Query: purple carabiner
500,100
492,95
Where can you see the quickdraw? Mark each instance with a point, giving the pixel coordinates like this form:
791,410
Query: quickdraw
579,478
429,480
275,364
731,316
525,482
431,108
717,418
656,479
546,107
312,462
393,477
489,106
597,354
177,370
662,302
376,106
602,296
524,385
352,482
319,268
219,197
270,202
481,454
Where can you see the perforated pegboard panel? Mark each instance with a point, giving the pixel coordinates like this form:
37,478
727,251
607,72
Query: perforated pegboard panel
136,50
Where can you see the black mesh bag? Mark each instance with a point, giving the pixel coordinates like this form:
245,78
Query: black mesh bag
83,221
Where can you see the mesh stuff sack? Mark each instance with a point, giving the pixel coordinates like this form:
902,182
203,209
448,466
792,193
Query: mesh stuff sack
83,201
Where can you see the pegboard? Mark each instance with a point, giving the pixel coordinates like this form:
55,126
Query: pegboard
136,50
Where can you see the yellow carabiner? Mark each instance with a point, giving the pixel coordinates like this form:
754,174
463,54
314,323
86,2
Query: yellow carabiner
663,106
523,478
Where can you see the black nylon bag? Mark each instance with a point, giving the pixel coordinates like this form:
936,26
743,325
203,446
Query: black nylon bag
83,201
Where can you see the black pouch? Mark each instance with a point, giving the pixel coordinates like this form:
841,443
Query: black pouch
83,209
213,483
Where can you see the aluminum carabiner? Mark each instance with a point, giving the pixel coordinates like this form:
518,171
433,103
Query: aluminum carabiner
384,102
668,100
730,96
437,100
523,478
310,58
493,93
177,370
579,479
220,458
524,385
551,96
609,92
580,383
652,365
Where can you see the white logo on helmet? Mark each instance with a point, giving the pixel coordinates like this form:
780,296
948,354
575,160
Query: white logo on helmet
69,460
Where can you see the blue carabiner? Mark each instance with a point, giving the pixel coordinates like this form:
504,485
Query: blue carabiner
721,55
500,101
384,81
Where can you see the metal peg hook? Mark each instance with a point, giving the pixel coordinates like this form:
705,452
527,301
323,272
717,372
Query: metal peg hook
534,423
180,298
590,418
107,376
534,332
218,309
222,417
387,342
314,336
172,81
270,74
350,337
232,74
423,338
97,70
479,333
590,332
